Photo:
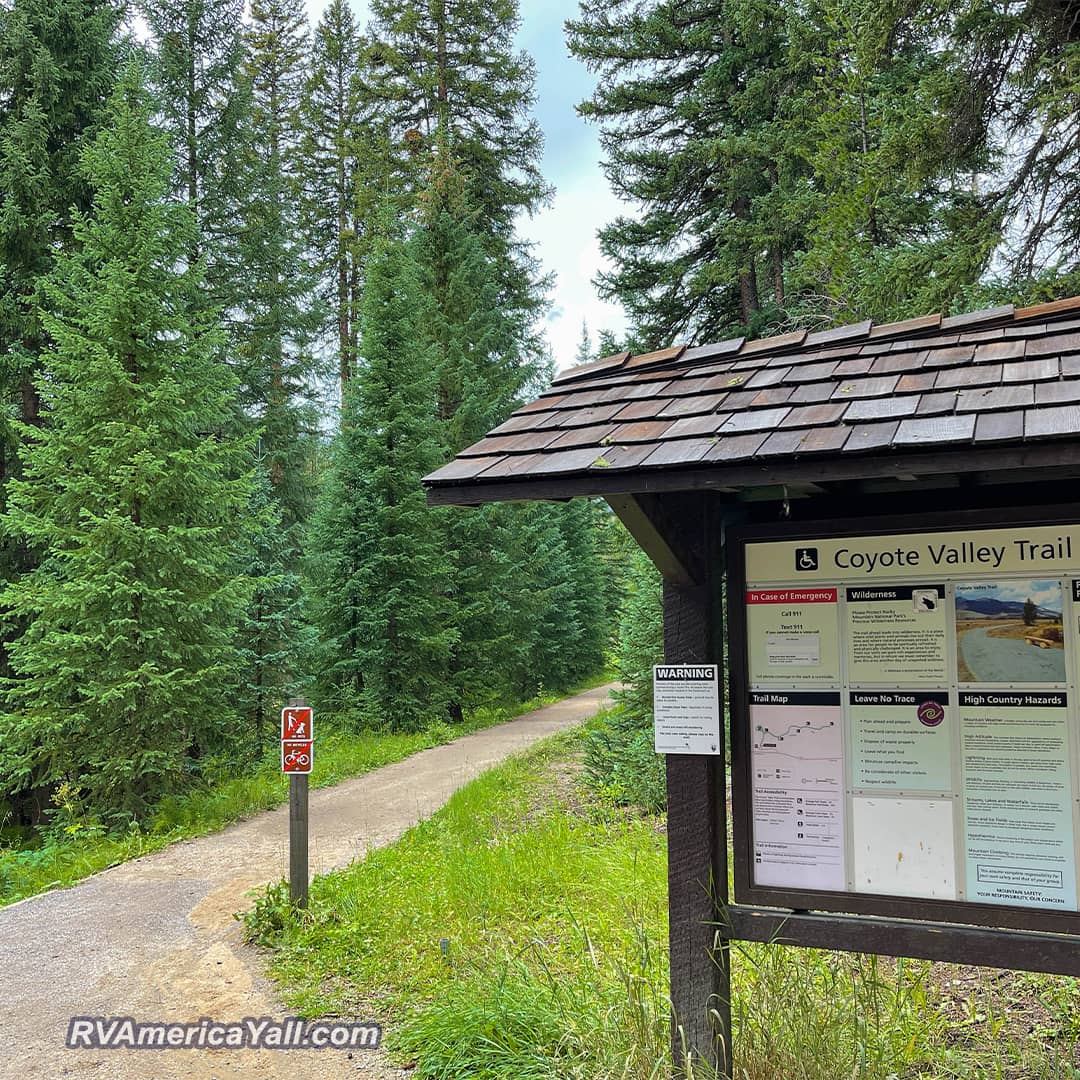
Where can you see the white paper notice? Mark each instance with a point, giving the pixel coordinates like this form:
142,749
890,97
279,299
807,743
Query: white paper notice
686,709
799,650
904,847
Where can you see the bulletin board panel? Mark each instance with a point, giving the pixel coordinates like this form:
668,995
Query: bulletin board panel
905,717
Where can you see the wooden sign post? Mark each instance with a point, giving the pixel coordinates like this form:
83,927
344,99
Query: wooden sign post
297,756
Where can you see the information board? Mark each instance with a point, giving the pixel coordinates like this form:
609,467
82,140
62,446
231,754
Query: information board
909,714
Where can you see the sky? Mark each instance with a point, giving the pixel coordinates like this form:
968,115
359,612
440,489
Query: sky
565,232
1047,594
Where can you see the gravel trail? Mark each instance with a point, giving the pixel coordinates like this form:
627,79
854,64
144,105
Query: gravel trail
155,938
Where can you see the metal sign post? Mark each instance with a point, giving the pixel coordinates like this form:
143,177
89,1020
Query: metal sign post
297,757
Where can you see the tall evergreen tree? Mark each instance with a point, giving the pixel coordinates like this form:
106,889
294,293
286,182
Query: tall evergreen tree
793,162
133,491
1015,66
274,636
57,64
343,158
381,606
199,49
275,317
894,222
479,368
686,98
447,73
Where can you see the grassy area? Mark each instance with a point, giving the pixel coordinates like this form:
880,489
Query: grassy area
520,934
84,848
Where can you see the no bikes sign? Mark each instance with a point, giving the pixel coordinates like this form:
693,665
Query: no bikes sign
297,739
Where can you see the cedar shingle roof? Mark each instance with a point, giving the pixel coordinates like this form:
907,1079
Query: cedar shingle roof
966,381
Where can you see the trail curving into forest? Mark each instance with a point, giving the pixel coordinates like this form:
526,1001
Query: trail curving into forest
155,938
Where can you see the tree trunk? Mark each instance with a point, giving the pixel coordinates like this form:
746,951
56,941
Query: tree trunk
748,288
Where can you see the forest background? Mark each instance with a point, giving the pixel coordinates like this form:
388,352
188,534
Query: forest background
258,276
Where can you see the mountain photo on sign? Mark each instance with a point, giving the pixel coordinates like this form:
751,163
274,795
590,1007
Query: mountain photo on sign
1010,632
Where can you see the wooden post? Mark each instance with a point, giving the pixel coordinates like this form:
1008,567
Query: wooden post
697,858
298,833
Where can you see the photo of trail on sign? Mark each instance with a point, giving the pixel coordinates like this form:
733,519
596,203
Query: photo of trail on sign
1010,632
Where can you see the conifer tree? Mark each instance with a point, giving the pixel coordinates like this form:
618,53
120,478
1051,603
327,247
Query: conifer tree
894,222
481,372
199,48
57,65
383,571
343,158
274,637
479,375
794,163
687,96
275,317
134,492
584,352
447,73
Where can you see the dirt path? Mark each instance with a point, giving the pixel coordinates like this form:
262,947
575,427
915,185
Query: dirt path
155,938
1010,660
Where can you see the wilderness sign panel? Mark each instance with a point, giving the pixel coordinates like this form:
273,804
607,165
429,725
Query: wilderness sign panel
911,715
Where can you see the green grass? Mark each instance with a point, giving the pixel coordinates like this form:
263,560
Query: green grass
84,848
469,932
520,934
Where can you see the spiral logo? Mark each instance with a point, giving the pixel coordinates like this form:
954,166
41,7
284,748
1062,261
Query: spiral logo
931,713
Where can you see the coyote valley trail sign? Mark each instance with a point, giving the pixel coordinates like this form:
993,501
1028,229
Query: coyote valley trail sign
906,715
872,533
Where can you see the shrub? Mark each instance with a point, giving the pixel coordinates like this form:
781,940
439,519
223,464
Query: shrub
619,757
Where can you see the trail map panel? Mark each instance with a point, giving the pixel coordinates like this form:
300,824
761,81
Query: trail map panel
911,716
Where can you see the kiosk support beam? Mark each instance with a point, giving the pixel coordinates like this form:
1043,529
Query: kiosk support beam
697,861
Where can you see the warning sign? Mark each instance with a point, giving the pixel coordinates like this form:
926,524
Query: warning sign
297,755
297,722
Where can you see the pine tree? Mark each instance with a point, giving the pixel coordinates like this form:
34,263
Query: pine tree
619,755
687,96
480,369
895,225
795,163
343,160
578,522
57,64
584,354
383,614
275,317
334,555
1015,97
274,638
133,492
447,74
641,639
199,50
479,375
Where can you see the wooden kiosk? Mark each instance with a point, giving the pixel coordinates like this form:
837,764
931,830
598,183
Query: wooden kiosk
881,523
